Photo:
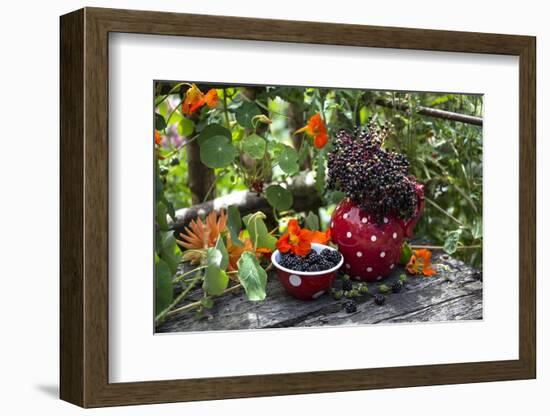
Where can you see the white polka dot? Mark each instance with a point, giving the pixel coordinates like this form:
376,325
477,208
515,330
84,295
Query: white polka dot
295,280
359,254
345,216
357,278
373,238
394,235
332,224
347,266
364,220
386,220
379,278
369,269
383,254
348,234
392,266
316,295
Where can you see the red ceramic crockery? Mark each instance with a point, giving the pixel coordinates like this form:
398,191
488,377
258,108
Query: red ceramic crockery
306,285
371,251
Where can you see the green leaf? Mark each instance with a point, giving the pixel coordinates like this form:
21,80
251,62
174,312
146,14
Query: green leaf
246,112
214,257
186,127
477,231
252,277
212,130
220,246
215,280
217,152
278,197
234,224
254,146
312,221
406,253
162,213
169,252
257,230
207,302
451,241
163,286
288,160
160,123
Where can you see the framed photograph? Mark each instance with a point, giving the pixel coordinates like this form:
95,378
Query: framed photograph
285,207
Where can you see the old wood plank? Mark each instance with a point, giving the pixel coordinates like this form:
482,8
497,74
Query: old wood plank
455,294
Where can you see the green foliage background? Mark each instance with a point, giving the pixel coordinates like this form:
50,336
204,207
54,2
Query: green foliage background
445,155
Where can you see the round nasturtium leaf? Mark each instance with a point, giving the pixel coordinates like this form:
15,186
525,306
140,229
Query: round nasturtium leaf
186,127
246,112
254,146
288,160
212,130
217,152
278,197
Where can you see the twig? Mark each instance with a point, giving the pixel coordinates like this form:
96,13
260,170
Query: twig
193,305
160,317
444,212
417,247
433,112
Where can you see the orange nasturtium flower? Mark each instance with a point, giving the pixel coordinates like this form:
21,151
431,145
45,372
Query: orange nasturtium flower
158,138
420,263
195,99
200,235
298,240
317,129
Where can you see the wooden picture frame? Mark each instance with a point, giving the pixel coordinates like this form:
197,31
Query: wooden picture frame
84,207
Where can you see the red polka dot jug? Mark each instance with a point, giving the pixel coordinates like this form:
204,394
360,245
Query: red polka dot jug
371,251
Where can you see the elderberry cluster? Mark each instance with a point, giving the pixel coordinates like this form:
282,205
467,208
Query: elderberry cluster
374,178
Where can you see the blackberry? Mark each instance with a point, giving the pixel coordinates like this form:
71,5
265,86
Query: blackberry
379,299
331,255
374,178
314,268
313,258
174,161
350,306
396,286
347,285
291,261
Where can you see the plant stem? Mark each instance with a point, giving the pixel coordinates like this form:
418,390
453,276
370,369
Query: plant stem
225,111
193,305
416,247
181,146
162,315
180,277
443,211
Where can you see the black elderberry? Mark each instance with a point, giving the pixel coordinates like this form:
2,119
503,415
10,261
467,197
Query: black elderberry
396,286
374,178
379,299
347,285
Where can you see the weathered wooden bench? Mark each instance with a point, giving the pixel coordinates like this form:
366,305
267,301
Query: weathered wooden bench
455,293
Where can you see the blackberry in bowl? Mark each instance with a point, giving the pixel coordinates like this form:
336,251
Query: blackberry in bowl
308,277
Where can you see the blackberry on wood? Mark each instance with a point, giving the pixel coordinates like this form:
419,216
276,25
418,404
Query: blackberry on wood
350,306
379,299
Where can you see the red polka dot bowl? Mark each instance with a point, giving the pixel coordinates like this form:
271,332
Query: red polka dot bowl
371,251
306,285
